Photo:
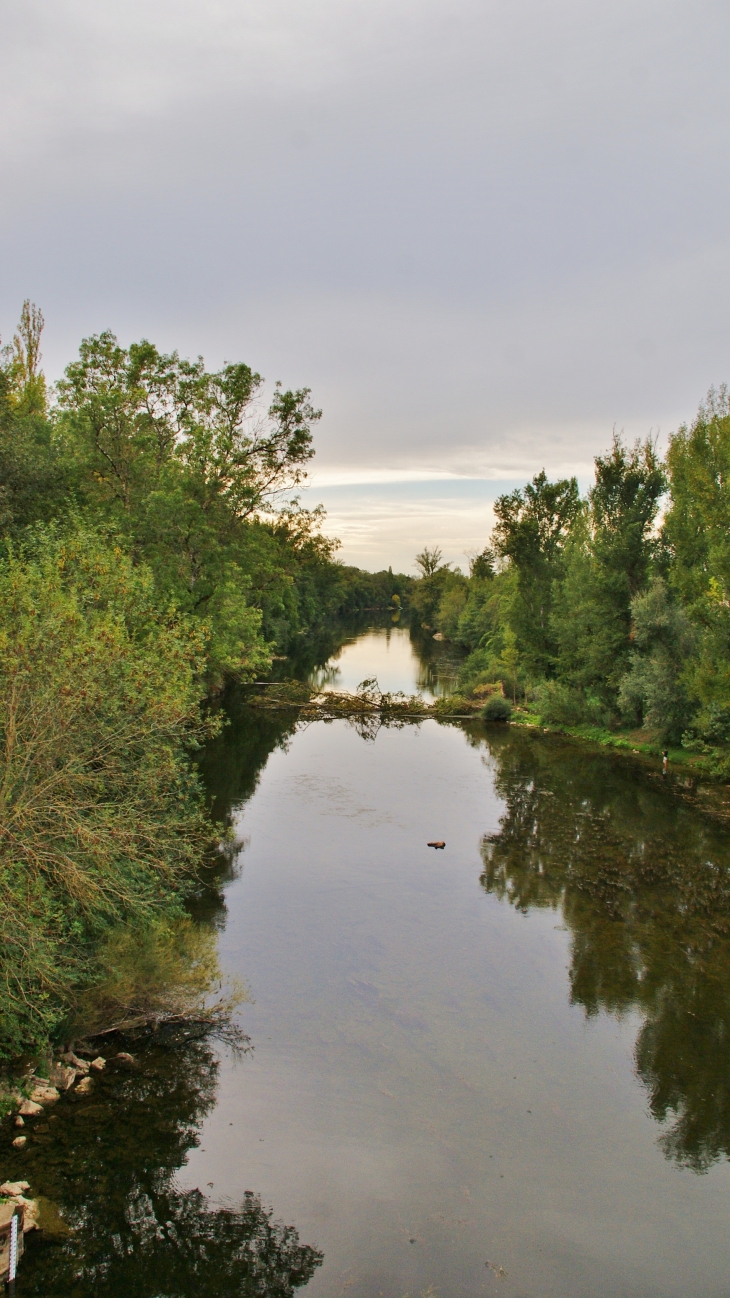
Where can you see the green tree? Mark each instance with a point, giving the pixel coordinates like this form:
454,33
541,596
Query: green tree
654,690
33,482
608,559
186,463
531,532
697,531
22,361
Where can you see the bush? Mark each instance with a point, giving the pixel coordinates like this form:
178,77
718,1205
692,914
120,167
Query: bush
497,709
486,689
559,705
102,818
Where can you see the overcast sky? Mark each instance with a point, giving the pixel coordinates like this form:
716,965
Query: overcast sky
484,233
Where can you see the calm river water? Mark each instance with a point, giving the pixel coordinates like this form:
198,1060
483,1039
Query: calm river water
501,1068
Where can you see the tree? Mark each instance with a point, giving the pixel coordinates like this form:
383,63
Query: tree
482,563
697,531
623,507
33,482
22,361
429,560
531,532
654,690
697,523
132,414
608,561
187,464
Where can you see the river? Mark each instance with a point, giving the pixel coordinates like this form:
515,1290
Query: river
500,1068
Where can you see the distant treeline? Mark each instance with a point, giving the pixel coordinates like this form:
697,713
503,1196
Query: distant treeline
612,609
152,549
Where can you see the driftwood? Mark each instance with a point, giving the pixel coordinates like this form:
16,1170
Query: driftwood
367,701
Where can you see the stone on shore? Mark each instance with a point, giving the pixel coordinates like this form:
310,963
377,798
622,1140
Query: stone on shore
44,1094
62,1076
85,1085
19,1142
14,1188
98,1064
80,1065
30,1213
29,1108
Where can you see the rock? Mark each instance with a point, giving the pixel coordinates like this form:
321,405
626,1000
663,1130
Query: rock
62,1076
19,1121
14,1188
124,1058
30,1214
29,1108
98,1064
19,1142
80,1065
44,1094
439,636
85,1085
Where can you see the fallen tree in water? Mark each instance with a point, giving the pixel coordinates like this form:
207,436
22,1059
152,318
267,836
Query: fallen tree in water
368,700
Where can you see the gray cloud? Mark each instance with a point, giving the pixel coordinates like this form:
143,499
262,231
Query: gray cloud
484,233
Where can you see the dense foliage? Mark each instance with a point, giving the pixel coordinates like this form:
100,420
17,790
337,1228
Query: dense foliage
611,610
151,551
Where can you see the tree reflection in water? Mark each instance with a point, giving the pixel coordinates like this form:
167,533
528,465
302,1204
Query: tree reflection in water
109,1164
643,885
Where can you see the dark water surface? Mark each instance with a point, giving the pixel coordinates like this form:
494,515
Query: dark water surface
503,1068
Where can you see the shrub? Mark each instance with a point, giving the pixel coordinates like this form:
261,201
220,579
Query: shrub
486,689
101,817
559,705
497,708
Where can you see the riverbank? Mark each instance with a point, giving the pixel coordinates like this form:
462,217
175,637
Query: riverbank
634,743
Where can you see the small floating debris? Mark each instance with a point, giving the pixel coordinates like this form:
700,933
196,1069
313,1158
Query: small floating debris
499,1271
438,843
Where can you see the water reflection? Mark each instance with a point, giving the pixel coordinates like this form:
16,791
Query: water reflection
109,1164
400,658
643,885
